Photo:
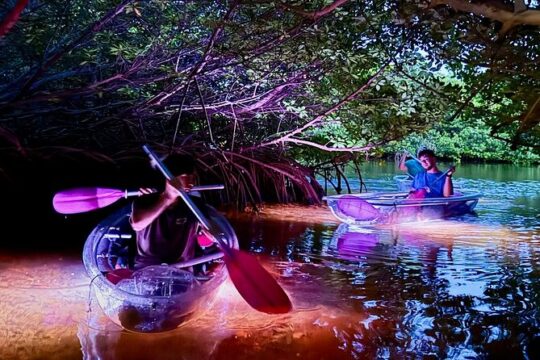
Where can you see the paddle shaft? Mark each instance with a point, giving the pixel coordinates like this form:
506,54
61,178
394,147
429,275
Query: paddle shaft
411,155
253,282
198,214
442,175
429,187
194,188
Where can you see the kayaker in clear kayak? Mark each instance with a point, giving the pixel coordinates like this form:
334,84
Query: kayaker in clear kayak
432,182
166,229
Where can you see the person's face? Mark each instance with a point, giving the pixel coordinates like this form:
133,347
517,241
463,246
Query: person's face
427,162
187,180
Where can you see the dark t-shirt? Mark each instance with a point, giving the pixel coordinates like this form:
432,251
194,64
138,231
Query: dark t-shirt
171,237
425,179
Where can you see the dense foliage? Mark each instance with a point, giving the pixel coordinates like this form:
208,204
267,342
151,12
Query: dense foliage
248,86
460,141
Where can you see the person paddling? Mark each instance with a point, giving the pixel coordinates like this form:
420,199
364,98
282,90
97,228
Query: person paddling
166,229
432,182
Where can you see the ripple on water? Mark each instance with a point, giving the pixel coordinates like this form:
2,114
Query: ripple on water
442,289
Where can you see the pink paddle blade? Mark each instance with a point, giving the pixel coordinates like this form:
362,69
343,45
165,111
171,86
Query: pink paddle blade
79,200
117,275
204,240
357,208
255,284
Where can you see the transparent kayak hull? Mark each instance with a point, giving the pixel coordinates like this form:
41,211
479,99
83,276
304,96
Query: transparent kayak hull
395,207
403,182
156,298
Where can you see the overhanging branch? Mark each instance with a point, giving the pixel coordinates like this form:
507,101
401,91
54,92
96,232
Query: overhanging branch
490,10
315,121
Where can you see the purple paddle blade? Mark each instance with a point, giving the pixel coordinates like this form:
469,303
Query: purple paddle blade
80,200
357,208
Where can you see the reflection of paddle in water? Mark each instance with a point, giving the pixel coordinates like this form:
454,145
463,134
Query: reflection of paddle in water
354,243
350,242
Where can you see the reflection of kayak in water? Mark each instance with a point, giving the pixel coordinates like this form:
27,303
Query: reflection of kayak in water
392,207
350,241
155,298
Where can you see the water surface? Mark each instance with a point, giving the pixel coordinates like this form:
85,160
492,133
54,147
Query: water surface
458,288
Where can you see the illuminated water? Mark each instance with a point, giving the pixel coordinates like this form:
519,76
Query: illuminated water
465,288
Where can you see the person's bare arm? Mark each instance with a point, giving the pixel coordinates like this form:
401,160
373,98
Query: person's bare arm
142,216
402,166
448,189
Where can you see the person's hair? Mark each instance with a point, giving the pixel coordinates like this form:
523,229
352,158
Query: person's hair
426,152
179,164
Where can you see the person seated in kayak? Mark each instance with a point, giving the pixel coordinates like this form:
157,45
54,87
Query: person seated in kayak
166,229
410,165
431,182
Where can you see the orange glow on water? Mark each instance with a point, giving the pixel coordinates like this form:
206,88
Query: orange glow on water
46,312
448,231
42,299
392,291
291,213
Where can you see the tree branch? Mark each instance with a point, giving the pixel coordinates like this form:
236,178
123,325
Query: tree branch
11,19
314,15
508,18
160,98
332,149
287,137
95,27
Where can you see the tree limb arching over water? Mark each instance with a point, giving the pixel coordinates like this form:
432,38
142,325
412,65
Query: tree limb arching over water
250,86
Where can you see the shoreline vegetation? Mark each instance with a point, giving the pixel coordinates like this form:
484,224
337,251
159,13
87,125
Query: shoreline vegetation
467,160
461,141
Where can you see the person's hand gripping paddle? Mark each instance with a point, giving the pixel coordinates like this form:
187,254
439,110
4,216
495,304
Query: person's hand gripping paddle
419,194
253,282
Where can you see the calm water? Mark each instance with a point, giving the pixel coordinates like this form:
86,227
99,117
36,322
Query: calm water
461,288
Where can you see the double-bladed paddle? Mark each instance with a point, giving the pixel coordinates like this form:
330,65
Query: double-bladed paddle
253,282
84,199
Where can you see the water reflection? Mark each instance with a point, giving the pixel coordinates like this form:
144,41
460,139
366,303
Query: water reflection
444,284
229,328
466,288
353,242
445,289
42,299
